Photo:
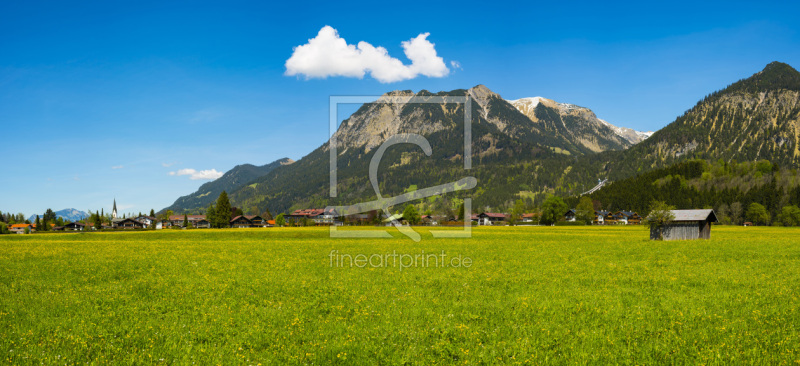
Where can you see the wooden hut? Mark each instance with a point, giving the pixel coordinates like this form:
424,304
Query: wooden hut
687,225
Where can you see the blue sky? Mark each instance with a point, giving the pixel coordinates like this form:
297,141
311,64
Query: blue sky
103,100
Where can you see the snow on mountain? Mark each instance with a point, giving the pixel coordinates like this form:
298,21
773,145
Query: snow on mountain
528,105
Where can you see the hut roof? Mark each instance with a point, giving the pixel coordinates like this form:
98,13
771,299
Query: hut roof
694,215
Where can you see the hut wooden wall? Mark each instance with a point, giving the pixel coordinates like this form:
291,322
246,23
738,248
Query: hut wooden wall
680,231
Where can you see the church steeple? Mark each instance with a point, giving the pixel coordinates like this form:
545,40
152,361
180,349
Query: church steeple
114,210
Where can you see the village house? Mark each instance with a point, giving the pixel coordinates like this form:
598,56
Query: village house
570,215
600,217
396,217
610,218
530,217
74,226
129,224
492,218
429,220
146,220
256,221
687,225
318,216
632,218
177,220
240,222
20,228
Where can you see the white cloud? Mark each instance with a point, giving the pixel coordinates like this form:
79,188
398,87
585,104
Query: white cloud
210,174
329,55
455,65
117,167
167,165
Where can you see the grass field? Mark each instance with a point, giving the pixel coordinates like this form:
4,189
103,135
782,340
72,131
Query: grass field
536,294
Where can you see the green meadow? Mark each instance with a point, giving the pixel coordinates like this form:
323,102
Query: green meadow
573,295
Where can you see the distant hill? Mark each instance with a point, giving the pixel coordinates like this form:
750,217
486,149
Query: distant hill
68,214
232,180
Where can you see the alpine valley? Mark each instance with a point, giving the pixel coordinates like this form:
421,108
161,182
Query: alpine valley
521,149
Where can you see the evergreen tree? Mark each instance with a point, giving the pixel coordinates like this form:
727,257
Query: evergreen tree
185,220
152,213
460,212
211,215
49,215
38,223
223,211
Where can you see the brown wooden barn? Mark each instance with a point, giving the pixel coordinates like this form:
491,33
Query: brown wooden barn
687,225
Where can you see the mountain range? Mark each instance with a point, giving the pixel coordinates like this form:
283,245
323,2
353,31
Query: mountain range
68,214
524,148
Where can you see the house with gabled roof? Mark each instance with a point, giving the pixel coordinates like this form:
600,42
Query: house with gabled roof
600,217
177,220
240,221
129,223
20,228
530,217
319,216
492,218
74,226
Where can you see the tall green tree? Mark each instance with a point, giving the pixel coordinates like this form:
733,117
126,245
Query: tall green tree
49,215
211,215
790,216
460,212
185,220
280,221
553,210
516,212
585,210
758,214
152,213
38,224
223,211
410,215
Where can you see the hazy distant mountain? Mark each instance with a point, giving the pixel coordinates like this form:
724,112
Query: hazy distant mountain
68,214
232,180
